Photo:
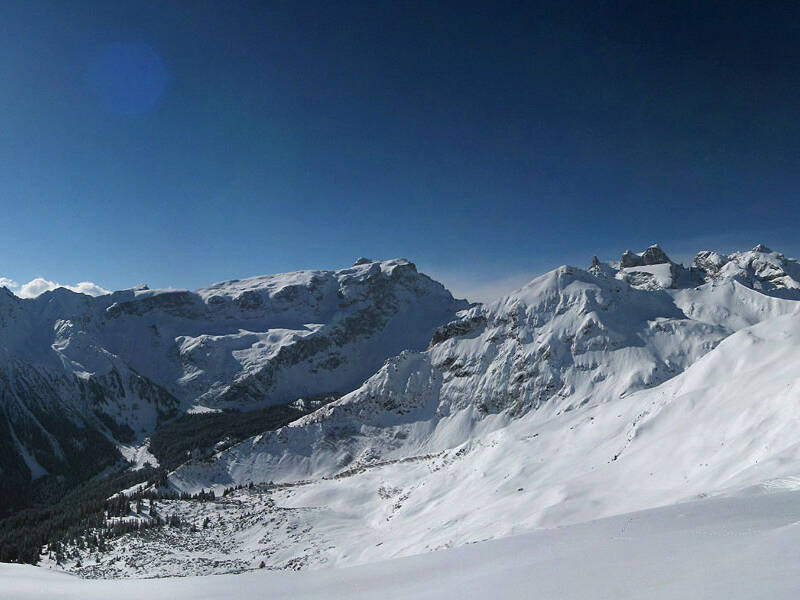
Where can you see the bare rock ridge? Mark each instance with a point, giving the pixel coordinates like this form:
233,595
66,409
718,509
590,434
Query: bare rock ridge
654,255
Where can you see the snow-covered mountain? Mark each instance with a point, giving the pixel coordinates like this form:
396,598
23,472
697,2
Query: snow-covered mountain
270,339
584,394
570,339
80,375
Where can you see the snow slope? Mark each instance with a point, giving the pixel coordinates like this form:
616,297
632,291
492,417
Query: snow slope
725,549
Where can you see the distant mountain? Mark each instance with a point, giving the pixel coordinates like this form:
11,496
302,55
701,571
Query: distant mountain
82,378
760,268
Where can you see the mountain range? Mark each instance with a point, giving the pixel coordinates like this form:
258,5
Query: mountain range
83,379
422,422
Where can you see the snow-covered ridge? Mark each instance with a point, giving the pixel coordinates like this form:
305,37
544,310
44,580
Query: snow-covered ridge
761,269
124,362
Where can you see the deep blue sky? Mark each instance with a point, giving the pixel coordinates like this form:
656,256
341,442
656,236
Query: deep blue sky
181,143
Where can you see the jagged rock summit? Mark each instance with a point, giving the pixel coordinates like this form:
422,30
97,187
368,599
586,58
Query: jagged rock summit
760,268
650,270
654,255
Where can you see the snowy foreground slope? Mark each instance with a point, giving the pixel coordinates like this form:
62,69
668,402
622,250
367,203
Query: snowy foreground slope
726,549
584,395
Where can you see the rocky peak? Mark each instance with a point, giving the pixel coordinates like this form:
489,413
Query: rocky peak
654,255
709,262
650,270
760,268
629,259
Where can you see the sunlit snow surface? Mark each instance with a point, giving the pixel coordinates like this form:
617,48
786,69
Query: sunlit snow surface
726,549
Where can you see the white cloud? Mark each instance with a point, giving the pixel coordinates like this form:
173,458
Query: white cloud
38,286
9,283
90,288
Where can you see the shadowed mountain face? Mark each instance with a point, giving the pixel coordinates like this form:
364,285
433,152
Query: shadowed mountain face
82,378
